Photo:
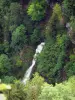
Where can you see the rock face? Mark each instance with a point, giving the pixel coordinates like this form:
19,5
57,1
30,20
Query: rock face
70,32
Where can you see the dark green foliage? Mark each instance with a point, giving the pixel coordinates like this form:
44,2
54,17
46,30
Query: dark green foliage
1,48
60,61
33,87
53,57
8,79
16,16
69,8
37,10
72,23
4,8
48,59
20,34
5,64
70,68
19,37
36,36
63,41
72,57
53,24
4,48
72,29
37,89
21,61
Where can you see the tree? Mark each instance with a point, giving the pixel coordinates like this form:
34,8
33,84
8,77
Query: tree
53,58
4,9
36,36
16,16
47,60
62,91
17,92
30,91
5,64
19,37
37,10
8,79
53,23
69,8
33,87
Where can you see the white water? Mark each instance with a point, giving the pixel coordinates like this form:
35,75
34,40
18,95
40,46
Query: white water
29,71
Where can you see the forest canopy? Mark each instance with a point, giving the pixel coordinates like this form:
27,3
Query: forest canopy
24,25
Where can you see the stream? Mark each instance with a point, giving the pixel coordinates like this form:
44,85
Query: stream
29,70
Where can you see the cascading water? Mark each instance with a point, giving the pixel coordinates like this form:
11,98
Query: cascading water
29,71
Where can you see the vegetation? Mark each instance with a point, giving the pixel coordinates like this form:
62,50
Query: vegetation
18,37
23,25
5,64
37,89
37,9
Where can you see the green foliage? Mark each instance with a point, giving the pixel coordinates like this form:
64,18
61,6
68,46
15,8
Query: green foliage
4,4
8,79
63,41
36,36
47,60
70,68
5,64
53,23
17,62
4,8
57,10
16,16
19,37
1,48
61,61
72,57
72,23
4,48
62,91
33,87
69,8
37,89
53,58
37,9
20,34
59,39
17,92
29,91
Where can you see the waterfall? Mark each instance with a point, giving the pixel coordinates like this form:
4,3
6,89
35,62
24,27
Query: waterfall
29,70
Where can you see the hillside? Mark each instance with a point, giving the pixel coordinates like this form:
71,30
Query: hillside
37,44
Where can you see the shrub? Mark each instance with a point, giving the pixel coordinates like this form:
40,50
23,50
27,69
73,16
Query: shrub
36,36
17,92
53,23
70,69
72,57
62,91
37,10
5,64
8,79
69,8
33,87
19,37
